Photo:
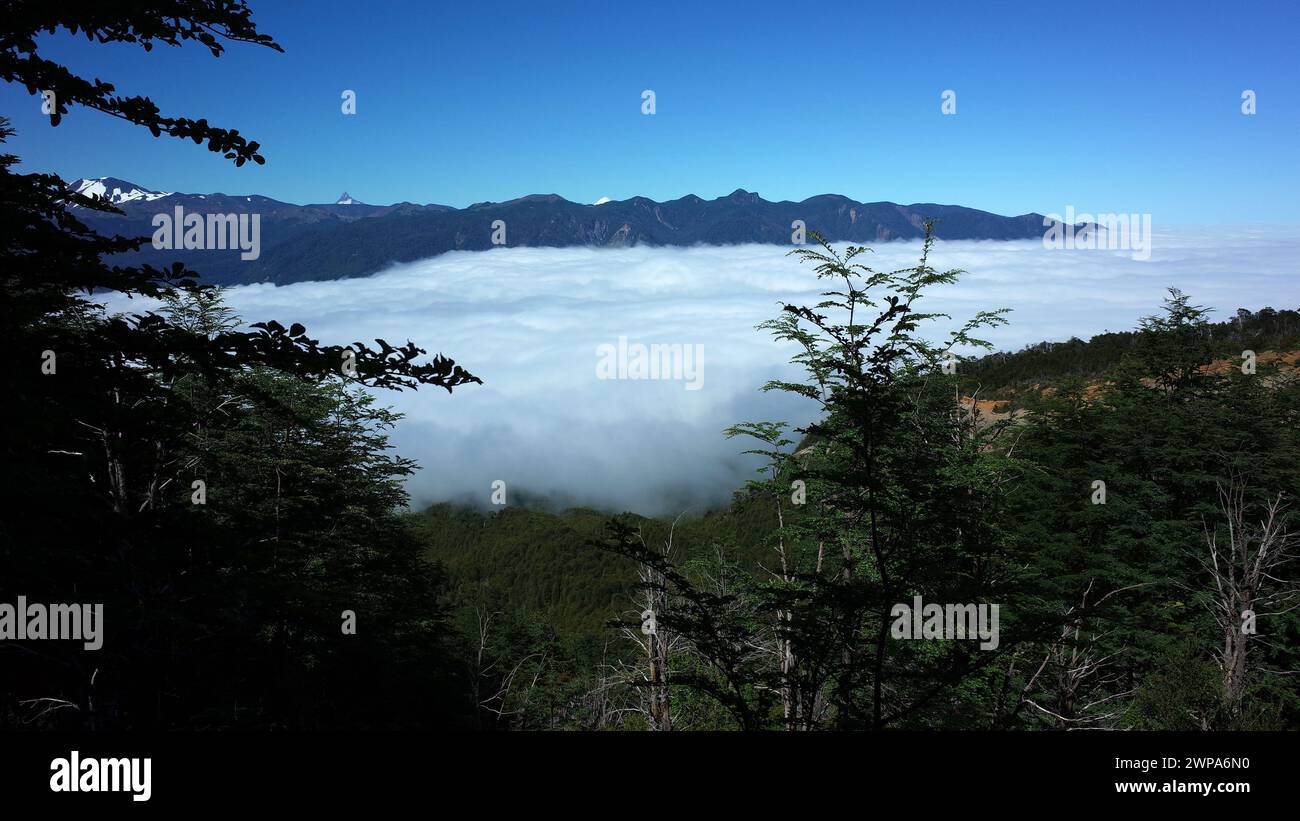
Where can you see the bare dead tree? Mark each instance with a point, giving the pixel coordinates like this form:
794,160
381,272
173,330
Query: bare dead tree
1076,677
611,699
1248,561
656,642
480,670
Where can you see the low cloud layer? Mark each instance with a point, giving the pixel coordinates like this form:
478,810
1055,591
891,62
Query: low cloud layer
529,322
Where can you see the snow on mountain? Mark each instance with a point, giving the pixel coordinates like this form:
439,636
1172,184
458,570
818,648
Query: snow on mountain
344,199
117,191
601,201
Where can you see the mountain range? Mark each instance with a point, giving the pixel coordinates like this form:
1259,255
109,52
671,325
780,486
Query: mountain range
349,238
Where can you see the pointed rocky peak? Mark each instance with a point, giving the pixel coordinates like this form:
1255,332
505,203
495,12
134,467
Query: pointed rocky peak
741,195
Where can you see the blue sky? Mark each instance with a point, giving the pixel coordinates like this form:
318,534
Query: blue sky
1109,107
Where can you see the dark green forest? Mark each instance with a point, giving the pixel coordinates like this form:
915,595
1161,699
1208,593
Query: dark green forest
229,495
1003,375
772,614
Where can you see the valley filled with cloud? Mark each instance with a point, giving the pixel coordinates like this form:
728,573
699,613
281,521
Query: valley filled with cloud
529,322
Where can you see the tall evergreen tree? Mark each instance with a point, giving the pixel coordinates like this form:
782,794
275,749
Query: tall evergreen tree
113,417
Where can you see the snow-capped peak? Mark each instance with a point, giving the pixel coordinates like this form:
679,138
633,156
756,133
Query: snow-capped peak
117,191
601,201
344,199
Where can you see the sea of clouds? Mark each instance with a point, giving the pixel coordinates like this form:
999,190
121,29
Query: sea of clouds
529,322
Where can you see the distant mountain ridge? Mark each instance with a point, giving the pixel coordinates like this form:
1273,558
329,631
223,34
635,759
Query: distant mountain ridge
349,238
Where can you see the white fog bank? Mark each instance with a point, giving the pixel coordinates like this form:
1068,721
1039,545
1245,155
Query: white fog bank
529,322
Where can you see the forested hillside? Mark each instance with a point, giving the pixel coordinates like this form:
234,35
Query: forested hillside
1003,374
1102,520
